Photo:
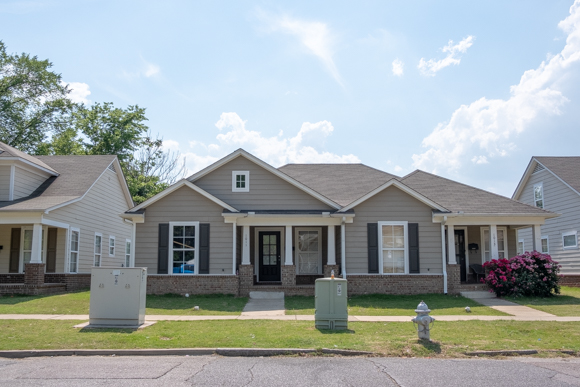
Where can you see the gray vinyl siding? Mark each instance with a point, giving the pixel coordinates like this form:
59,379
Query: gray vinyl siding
392,204
4,182
561,199
26,182
185,205
98,211
267,191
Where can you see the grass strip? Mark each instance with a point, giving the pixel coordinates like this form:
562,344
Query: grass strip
392,339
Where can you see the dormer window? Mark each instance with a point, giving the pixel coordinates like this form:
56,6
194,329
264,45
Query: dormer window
241,181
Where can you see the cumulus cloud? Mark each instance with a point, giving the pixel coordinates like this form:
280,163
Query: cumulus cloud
146,70
304,147
488,126
315,36
454,51
398,67
79,92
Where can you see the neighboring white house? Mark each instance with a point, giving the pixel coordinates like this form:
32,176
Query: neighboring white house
62,211
553,183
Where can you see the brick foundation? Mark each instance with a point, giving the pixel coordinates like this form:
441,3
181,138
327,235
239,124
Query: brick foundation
329,268
453,279
192,284
34,274
570,280
13,278
246,276
31,290
73,282
394,284
288,275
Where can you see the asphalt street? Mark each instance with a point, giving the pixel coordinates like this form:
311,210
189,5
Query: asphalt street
188,371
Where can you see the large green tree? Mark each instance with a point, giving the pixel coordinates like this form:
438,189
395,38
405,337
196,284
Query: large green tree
33,100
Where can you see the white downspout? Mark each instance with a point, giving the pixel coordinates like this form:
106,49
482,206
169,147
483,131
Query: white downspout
443,255
343,247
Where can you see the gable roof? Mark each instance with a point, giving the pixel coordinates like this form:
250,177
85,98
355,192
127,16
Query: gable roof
566,169
242,153
77,175
6,151
341,183
458,197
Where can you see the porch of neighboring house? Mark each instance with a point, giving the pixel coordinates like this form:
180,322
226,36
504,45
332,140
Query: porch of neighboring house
33,260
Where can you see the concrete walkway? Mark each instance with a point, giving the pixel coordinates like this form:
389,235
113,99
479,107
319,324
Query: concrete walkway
264,304
517,310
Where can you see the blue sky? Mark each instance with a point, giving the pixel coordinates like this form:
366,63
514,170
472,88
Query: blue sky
468,90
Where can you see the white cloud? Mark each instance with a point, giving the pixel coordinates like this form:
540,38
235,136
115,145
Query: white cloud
171,145
146,70
398,67
304,147
314,35
488,126
430,67
79,92
479,160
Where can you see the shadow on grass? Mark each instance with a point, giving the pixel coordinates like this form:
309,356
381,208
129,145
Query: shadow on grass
108,330
336,331
431,346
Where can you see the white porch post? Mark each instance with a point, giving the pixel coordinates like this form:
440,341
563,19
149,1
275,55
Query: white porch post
133,244
288,247
493,245
331,249
35,256
343,248
234,248
451,245
537,237
246,246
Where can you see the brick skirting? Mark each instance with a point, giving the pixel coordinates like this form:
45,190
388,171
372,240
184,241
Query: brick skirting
192,284
13,278
570,280
394,284
72,281
298,290
31,290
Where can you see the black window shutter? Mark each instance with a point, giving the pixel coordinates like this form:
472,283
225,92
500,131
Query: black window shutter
163,249
413,247
373,247
204,248
14,250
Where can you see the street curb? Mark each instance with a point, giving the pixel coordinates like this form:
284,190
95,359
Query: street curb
248,352
521,352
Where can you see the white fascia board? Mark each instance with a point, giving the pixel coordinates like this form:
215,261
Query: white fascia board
134,218
179,184
54,223
269,168
28,163
283,221
524,179
486,219
123,181
402,187
20,217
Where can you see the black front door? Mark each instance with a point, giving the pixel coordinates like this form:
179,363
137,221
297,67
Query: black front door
460,252
269,255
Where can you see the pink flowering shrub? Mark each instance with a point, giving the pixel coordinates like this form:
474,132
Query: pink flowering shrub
530,274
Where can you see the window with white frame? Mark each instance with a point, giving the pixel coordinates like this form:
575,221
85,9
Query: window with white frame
98,250
127,253
308,250
570,240
539,195
520,246
240,181
184,247
394,251
502,246
545,245
73,264
111,246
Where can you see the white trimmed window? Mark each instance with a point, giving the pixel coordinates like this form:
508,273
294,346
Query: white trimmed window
502,245
570,240
73,263
98,250
111,246
240,181
394,251
521,247
184,247
127,253
545,245
308,242
539,195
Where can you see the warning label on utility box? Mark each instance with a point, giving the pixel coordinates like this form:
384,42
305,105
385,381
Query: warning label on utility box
339,290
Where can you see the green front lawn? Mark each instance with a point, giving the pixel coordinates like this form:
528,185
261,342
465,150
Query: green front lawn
78,303
396,305
392,339
567,303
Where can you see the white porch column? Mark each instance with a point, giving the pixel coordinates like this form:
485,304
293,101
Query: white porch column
246,246
493,245
288,246
331,249
451,245
234,248
343,248
133,243
537,237
35,256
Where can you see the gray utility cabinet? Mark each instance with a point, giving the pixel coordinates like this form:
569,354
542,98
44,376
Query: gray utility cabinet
118,296
331,303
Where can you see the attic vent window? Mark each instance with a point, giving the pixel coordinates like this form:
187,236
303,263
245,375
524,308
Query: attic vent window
538,168
240,181
112,168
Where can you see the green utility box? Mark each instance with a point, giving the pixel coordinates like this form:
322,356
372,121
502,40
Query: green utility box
331,310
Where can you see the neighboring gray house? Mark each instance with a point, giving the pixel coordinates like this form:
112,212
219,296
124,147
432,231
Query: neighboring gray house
241,224
553,183
62,213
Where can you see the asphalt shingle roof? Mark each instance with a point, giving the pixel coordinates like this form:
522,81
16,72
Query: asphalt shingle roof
567,169
8,151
